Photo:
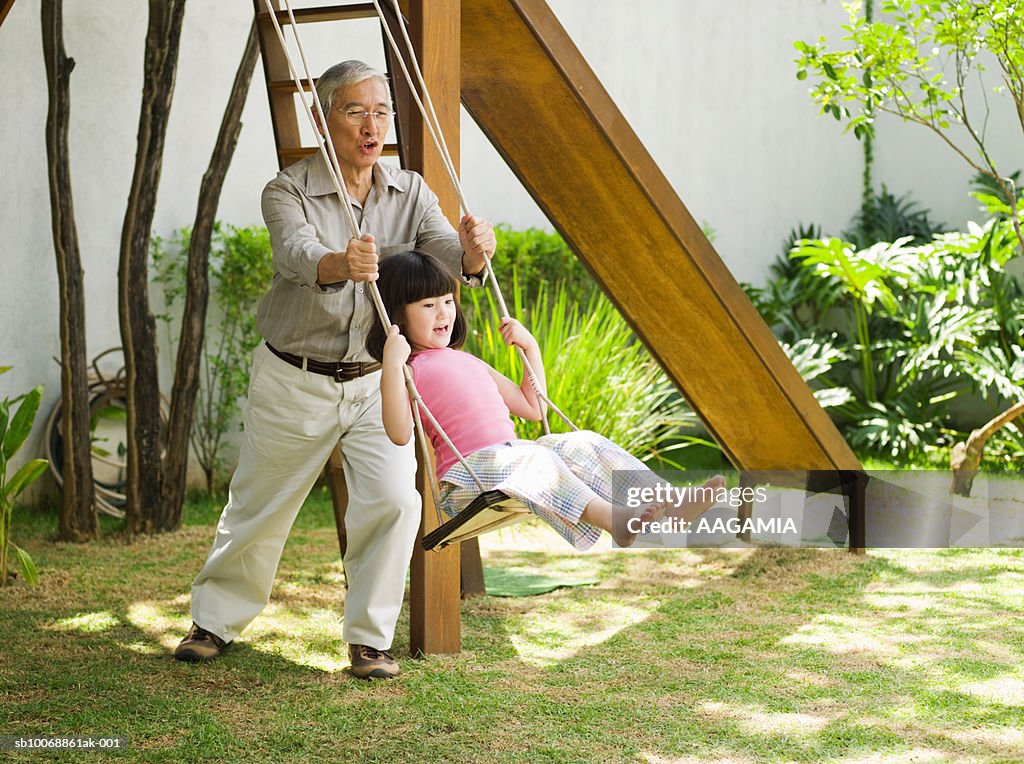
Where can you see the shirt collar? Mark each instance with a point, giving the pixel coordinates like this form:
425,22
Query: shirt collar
320,183
385,176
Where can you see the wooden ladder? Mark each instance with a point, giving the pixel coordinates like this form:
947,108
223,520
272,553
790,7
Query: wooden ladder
281,88
434,26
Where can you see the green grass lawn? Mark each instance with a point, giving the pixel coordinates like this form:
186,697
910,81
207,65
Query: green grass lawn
675,656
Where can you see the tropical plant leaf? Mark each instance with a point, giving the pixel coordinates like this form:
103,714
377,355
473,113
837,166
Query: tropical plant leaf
21,422
992,371
24,477
831,397
814,356
885,218
116,413
28,567
5,416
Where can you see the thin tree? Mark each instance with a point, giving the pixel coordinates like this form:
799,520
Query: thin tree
146,510
919,64
197,288
78,519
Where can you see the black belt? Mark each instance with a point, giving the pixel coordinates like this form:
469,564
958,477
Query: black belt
342,371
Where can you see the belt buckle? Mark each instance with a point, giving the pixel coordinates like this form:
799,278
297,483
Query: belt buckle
340,375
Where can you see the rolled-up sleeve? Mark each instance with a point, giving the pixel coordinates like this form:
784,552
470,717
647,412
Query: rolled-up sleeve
297,250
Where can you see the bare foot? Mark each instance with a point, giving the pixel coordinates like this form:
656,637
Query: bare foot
647,514
704,500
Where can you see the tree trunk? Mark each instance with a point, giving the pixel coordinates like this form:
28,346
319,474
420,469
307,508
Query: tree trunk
146,508
78,519
966,458
193,322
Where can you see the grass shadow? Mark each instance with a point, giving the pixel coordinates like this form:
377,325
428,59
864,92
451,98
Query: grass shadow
677,655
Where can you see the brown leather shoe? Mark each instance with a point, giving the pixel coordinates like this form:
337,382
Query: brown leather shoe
200,645
368,663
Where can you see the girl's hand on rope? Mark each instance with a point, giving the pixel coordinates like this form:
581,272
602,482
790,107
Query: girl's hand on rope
478,242
514,333
396,349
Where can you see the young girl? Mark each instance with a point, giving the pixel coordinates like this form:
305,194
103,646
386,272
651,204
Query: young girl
566,478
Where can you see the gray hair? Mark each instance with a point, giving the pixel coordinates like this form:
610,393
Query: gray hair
345,75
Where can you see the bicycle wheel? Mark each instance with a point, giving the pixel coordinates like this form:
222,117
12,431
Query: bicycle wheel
108,420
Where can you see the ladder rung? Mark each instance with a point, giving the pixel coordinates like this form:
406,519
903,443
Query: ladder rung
289,85
294,155
325,13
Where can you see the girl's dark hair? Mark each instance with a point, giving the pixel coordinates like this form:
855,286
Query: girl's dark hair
409,277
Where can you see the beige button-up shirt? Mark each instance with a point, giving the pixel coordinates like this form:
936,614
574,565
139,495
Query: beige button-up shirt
305,219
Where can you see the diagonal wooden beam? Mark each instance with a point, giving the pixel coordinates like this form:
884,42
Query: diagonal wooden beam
5,8
539,103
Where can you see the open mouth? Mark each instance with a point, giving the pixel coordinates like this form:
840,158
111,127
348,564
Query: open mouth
369,145
441,330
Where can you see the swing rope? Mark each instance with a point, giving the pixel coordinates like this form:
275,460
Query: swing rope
433,124
327,151
324,142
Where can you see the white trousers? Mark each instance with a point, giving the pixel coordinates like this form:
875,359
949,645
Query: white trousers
293,418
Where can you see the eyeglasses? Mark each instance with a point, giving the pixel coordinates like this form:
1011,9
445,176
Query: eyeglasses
358,116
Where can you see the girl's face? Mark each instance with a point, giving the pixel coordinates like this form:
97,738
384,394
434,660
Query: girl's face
429,322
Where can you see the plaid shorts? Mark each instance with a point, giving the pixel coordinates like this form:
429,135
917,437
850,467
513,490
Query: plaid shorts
555,476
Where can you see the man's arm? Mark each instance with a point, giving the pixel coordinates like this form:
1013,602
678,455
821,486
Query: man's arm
296,249
357,263
298,253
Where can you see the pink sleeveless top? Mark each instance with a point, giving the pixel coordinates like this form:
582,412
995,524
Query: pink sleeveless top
464,399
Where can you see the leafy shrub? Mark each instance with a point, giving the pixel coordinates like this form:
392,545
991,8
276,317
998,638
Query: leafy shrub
914,326
14,430
884,217
537,258
984,187
240,273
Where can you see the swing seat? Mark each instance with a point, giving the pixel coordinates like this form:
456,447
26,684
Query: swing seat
487,512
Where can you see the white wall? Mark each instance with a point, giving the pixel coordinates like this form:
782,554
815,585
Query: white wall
710,89
708,86
106,41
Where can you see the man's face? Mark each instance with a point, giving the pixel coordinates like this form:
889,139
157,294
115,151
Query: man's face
359,139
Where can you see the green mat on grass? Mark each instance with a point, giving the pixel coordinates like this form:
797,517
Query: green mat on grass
501,582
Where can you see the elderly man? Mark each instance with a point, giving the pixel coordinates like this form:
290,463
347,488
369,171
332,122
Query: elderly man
313,384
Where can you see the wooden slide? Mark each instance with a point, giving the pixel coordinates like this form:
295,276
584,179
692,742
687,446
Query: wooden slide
533,95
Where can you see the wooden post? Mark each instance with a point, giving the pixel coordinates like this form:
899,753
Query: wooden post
857,496
473,584
434,25
435,620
